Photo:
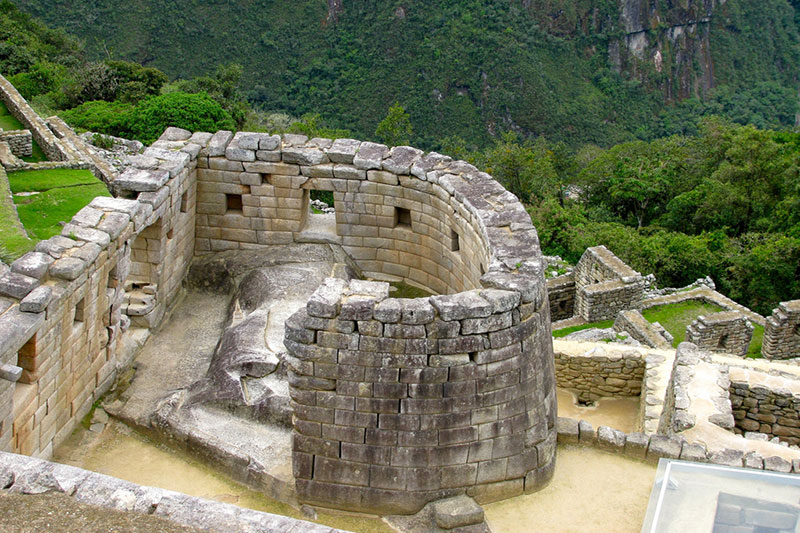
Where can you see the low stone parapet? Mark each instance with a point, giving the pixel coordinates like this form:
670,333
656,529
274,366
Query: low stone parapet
638,327
600,373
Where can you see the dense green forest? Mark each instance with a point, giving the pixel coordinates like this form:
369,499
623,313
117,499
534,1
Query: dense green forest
473,68
682,187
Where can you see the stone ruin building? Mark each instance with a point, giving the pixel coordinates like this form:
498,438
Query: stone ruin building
727,332
782,332
392,403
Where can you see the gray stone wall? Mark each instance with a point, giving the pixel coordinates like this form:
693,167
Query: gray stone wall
400,402
19,141
561,293
401,214
605,285
724,332
652,335
760,409
600,373
782,332
65,308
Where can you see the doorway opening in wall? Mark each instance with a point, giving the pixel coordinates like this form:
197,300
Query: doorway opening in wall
723,343
320,215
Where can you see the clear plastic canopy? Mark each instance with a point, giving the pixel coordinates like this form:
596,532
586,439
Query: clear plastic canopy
696,497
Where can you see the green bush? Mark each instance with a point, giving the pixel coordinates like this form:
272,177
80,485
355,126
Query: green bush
194,112
111,118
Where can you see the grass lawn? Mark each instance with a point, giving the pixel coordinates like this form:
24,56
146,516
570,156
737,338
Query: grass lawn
566,331
7,120
44,180
62,193
675,317
404,290
13,240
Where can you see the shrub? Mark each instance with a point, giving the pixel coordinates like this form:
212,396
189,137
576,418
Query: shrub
111,118
194,112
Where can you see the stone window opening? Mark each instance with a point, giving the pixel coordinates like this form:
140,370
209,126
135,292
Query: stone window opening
80,310
170,234
26,359
185,202
455,245
796,331
233,203
402,218
320,202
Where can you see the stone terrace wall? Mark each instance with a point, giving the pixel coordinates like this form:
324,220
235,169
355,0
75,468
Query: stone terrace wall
782,332
19,141
400,214
726,332
600,373
605,285
400,402
18,107
63,318
561,292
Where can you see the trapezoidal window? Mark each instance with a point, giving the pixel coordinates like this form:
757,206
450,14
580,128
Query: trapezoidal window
185,202
402,218
455,245
80,310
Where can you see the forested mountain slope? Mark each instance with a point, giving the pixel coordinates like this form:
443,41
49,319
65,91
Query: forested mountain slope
599,71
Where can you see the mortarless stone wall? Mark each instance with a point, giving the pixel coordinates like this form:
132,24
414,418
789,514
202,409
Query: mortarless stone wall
19,141
726,332
561,292
605,285
782,332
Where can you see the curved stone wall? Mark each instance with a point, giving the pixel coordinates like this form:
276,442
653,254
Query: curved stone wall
398,402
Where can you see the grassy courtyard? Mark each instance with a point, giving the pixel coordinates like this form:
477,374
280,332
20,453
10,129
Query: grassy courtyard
675,318
45,200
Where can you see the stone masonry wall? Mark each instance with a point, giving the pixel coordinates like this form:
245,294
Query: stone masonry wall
400,214
782,332
726,332
771,411
638,327
20,142
605,285
63,307
600,374
18,107
400,402
561,292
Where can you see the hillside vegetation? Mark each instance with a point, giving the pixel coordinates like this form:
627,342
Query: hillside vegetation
473,68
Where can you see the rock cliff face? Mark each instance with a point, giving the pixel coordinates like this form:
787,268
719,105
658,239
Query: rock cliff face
666,42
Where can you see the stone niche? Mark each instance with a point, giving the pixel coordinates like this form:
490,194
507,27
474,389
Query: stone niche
782,332
725,332
604,285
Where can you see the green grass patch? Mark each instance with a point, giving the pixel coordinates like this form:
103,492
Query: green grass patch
44,180
754,351
404,290
43,213
13,240
8,121
675,317
572,329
